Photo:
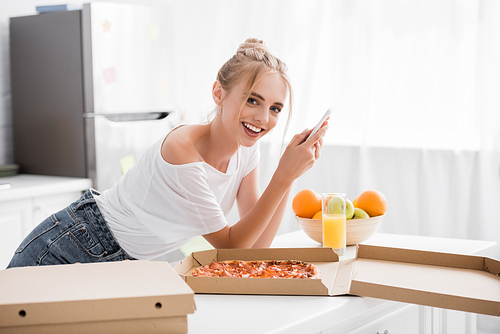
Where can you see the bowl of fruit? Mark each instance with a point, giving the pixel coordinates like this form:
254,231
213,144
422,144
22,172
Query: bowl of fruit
364,215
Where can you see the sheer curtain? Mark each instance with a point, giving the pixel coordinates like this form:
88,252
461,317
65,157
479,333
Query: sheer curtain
414,87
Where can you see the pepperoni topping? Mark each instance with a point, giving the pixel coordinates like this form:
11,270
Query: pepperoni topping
216,265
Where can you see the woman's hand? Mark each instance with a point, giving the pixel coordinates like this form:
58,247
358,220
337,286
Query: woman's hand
301,154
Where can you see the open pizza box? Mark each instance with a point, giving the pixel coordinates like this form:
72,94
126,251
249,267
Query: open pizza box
459,282
113,297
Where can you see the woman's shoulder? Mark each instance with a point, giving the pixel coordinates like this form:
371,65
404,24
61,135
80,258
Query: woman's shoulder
178,148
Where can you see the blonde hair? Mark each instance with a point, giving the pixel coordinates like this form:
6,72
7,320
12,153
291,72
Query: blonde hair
252,61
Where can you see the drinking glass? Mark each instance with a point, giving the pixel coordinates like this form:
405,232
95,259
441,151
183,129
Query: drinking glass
334,221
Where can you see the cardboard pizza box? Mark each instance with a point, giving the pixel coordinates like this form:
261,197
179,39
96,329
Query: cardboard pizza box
459,282
113,297
324,258
468,283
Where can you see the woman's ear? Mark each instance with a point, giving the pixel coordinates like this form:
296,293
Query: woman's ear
217,92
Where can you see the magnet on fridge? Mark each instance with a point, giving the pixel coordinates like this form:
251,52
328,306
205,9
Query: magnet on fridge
107,26
127,162
109,75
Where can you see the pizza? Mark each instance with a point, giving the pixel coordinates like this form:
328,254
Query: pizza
258,269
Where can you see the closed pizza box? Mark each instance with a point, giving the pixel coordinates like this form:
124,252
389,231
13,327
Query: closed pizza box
114,297
459,282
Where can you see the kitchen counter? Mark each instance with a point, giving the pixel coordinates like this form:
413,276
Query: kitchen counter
27,185
321,314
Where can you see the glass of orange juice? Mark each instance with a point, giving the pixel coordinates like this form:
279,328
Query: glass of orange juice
334,221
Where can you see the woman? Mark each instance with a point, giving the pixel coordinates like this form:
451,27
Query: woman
186,183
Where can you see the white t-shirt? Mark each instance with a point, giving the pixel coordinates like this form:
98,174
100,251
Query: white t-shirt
157,207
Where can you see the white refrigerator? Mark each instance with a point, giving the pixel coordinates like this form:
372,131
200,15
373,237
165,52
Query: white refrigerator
92,89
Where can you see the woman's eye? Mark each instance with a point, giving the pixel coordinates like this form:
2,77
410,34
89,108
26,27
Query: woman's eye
252,100
276,109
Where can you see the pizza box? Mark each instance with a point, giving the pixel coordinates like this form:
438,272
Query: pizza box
460,282
324,258
112,297
468,283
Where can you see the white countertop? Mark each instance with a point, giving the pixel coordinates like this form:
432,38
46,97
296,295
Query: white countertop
311,314
27,185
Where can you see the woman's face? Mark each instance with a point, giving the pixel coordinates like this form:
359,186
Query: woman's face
261,111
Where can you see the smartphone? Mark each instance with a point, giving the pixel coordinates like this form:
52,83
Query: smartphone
323,119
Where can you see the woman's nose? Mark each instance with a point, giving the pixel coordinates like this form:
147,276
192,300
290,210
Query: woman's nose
262,116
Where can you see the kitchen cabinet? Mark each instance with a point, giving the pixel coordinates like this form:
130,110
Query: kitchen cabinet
339,314
404,320
29,200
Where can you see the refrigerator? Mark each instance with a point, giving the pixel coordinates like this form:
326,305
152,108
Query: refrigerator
92,89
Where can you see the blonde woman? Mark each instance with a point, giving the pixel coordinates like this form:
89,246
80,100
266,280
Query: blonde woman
187,182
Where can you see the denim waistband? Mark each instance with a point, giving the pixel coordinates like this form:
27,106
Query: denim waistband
87,206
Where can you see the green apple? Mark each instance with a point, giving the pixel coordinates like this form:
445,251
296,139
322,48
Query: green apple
349,209
335,205
360,214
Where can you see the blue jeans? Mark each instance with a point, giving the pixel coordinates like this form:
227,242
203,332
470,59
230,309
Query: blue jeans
77,233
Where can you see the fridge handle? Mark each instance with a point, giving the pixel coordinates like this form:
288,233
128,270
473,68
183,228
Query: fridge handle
131,117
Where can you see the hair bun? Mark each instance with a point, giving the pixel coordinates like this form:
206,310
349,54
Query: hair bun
254,41
252,44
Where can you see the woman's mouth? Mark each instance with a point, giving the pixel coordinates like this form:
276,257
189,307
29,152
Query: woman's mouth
252,130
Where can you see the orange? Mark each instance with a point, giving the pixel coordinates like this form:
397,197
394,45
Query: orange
373,202
306,203
318,215
355,202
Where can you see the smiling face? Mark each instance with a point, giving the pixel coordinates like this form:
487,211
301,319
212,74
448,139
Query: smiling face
260,112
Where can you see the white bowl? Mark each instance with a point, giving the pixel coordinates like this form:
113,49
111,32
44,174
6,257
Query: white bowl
357,230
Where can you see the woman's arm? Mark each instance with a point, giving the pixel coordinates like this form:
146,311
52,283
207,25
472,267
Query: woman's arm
248,195
248,192
269,233
297,159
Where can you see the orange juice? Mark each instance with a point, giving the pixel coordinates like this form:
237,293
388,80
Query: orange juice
334,233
